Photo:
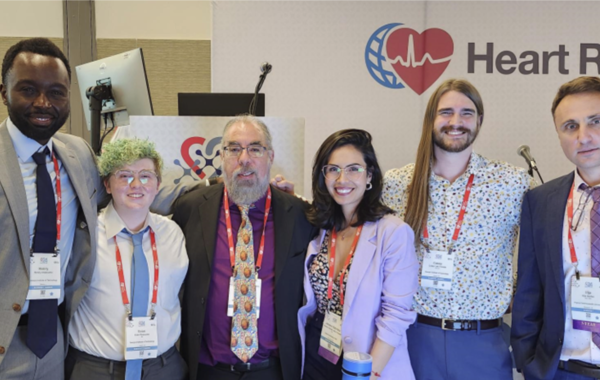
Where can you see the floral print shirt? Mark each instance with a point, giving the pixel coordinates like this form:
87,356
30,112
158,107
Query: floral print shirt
483,281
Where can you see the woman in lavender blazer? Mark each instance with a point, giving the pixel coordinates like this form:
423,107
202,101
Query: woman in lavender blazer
374,258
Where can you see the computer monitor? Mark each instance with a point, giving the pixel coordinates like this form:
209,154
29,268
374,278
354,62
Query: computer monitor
218,104
126,74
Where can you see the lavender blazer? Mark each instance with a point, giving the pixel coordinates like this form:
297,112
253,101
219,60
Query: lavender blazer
379,294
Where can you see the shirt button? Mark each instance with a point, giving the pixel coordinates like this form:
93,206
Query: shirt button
348,340
2,350
16,307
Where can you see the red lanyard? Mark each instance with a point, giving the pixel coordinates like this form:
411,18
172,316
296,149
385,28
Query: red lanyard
570,220
461,214
261,248
332,264
122,276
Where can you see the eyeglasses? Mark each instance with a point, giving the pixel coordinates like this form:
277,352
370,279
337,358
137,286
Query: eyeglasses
125,177
578,214
333,172
254,150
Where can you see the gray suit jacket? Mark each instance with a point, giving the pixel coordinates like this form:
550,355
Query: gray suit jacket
79,162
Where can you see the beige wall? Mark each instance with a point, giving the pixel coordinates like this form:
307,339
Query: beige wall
31,18
163,20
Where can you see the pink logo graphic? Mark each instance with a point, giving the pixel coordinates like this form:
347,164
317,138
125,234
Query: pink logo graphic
398,56
200,155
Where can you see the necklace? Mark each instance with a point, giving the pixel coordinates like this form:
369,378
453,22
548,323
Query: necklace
345,231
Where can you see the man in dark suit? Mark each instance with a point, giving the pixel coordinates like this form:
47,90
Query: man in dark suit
554,317
246,246
35,88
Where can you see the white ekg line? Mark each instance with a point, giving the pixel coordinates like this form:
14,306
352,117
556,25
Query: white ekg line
410,56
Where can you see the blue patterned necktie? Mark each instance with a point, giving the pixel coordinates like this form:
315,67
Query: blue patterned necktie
43,314
140,281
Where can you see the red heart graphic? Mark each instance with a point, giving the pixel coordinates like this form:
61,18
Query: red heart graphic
419,59
185,154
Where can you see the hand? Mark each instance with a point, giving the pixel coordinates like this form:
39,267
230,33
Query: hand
282,184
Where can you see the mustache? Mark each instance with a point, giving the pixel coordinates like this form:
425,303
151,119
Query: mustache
242,169
40,112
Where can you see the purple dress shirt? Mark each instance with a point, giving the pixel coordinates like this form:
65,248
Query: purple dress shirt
215,347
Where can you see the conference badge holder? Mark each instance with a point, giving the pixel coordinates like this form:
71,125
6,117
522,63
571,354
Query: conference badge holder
141,336
44,276
438,269
330,347
585,303
230,297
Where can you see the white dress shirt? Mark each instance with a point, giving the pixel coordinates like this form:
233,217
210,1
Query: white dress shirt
98,326
25,148
577,344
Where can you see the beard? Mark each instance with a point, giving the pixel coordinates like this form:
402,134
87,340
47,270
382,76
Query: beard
34,132
245,191
456,147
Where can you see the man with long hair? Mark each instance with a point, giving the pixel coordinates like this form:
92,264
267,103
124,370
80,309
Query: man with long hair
555,320
464,209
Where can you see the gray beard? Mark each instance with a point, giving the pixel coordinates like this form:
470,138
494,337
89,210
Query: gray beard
245,193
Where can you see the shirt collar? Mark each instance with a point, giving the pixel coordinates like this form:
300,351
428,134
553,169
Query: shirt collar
476,162
577,181
24,146
114,224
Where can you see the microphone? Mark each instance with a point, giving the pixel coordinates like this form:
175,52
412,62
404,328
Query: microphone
526,154
266,67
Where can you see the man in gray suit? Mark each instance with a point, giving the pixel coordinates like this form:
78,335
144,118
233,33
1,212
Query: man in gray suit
35,88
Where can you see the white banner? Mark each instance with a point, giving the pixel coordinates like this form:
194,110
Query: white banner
190,145
373,65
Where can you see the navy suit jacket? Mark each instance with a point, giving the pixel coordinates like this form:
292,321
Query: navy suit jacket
538,322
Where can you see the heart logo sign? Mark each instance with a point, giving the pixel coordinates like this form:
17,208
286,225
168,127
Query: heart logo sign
398,54
207,157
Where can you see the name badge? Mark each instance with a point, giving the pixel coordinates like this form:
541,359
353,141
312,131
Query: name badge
331,338
438,269
44,276
141,338
230,297
585,303
258,294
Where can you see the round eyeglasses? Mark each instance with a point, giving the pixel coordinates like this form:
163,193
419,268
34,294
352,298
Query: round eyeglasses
352,172
125,177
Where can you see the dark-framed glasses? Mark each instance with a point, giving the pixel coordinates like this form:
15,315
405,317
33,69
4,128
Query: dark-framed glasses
254,150
352,172
125,177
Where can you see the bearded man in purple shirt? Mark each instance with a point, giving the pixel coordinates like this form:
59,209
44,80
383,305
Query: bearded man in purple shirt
246,244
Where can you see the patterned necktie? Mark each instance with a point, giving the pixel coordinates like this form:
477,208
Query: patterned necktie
43,314
244,338
140,281
595,239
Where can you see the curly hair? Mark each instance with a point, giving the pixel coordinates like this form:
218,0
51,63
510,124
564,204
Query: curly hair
119,153
324,211
41,46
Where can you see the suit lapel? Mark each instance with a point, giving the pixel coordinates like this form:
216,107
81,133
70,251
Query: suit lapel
11,181
209,216
365,250
284,230
555,220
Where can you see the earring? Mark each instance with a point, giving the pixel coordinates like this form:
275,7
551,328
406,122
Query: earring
369,186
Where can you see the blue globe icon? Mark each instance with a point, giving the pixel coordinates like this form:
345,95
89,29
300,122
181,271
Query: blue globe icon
374,58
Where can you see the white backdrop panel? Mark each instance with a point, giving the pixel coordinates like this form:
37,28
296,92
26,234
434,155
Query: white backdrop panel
190,145
317,50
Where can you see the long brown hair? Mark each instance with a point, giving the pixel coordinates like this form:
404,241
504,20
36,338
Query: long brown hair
418,189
